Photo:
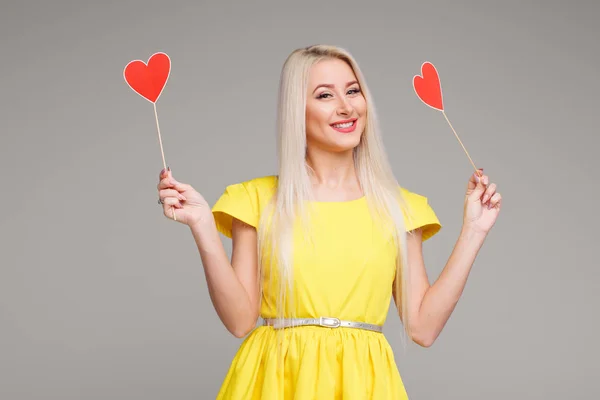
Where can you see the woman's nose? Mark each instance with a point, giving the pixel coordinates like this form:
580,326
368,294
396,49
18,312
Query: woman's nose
344,108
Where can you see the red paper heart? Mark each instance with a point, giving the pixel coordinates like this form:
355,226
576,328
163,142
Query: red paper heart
148,80
428,86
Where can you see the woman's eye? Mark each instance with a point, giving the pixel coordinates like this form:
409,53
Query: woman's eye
351,91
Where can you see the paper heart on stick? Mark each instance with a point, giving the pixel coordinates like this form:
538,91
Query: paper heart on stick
148,79
428,86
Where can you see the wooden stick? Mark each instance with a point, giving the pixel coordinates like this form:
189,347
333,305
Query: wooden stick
162,151
476,170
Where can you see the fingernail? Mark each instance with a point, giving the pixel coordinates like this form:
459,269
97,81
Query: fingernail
163,171
168,168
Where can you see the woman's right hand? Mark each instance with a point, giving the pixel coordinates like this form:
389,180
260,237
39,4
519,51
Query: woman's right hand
189,205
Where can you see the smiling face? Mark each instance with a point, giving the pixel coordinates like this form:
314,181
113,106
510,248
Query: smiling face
335,107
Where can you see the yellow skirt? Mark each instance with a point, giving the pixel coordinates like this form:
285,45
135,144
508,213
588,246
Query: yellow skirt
318,363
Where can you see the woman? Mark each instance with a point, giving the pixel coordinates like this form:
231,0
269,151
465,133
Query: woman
321,248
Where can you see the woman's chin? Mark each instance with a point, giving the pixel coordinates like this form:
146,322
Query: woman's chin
345,144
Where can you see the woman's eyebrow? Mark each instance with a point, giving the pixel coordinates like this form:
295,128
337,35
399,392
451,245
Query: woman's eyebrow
329,85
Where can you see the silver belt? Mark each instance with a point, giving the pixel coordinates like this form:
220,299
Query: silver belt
327,322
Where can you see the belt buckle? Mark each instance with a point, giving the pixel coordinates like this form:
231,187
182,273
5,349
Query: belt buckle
329,322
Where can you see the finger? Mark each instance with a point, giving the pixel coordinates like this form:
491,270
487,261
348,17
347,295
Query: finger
169,211
164,173
474,178
495,201
167,182
174,182
181,187
171,201
478,190
482,181
171,193
475,175
489,192
164,184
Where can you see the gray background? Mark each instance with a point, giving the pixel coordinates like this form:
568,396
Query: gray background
102,297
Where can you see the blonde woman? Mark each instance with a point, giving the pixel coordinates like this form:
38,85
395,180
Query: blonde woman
321,248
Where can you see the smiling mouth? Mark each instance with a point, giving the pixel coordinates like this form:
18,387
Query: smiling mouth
345,126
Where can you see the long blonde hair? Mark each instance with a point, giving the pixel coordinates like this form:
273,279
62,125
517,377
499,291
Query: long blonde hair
293,193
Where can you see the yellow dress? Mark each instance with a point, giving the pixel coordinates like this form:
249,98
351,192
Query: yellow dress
349,276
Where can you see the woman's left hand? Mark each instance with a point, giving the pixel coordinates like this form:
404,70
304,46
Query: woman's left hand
482,203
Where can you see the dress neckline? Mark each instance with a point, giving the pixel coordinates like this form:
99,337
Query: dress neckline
322,202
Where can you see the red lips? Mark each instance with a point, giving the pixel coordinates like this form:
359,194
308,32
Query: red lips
349,129
344,121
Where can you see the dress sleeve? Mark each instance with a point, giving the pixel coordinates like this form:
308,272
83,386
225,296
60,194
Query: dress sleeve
237,201
422,216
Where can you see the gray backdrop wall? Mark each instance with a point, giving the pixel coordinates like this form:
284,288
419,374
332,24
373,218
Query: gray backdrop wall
102,297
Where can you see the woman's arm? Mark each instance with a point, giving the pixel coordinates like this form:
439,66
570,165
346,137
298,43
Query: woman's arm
233,287
430,306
